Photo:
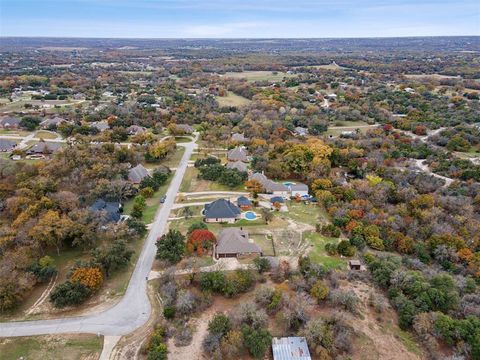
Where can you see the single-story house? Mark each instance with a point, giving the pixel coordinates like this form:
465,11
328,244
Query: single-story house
135,129
239,165
111,209
269,186
7,145
137,174
347,134
301,131
239,137
9,122
290,348
44,148
221,211
244,203
238,154
234,242
298,189
48,123
187,129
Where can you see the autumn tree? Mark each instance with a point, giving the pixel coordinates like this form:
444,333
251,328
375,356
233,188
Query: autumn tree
91,277
200,241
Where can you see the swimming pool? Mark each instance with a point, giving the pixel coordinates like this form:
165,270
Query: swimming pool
288,183
250,215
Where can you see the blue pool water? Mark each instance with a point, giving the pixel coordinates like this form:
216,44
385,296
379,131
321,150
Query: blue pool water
250,215
288,183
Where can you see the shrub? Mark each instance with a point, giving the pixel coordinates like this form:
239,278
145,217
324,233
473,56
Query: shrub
261,264
330,230
69,293
147,192
345,248
347,299
212,281
257,341
219,325
169,312
319,291
231,344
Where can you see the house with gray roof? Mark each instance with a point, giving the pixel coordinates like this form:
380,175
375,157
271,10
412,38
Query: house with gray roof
234,242
239,165
135,129
10,122
110,210
269,186
44,148
7,145
301,131
237,154
187,129
53,122
137,174
298,189
237,137
290,348
221,211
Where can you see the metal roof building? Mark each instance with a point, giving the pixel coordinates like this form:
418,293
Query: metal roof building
290,348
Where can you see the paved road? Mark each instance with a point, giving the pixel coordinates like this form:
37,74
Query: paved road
134,308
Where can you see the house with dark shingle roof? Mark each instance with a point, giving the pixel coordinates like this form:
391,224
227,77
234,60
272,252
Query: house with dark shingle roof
48,123
9,122
269,186
221,211
44,148
137,174
240,166
135,129
110,209
7,145
234,242
238,154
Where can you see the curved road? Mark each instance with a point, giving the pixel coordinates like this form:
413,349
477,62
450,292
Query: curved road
134,309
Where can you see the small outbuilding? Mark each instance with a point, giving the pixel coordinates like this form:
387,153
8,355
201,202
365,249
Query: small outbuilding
277,199
354,265
290,348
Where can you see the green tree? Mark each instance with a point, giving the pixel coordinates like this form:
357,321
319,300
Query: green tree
171,246
257,341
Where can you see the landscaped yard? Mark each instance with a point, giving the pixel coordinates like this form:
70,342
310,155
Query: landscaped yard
232,99
66,347
183,139
311,214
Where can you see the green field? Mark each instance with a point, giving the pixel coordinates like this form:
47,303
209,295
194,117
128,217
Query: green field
51,347
45,135
232,100
191,183
252,76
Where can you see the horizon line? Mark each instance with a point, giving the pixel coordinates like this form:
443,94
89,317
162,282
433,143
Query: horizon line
230,38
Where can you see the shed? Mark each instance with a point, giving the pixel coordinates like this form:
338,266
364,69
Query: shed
277,199
354,264
290,348
244,203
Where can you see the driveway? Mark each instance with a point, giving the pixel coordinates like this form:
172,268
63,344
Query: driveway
134,308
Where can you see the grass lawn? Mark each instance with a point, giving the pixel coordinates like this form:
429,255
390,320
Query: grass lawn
66,347
45,135
152,203
265,243
191,183
14,132
174,159
252,76
232,99
318,253
183,139
308,214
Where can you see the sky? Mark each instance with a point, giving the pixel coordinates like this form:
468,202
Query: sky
238,18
